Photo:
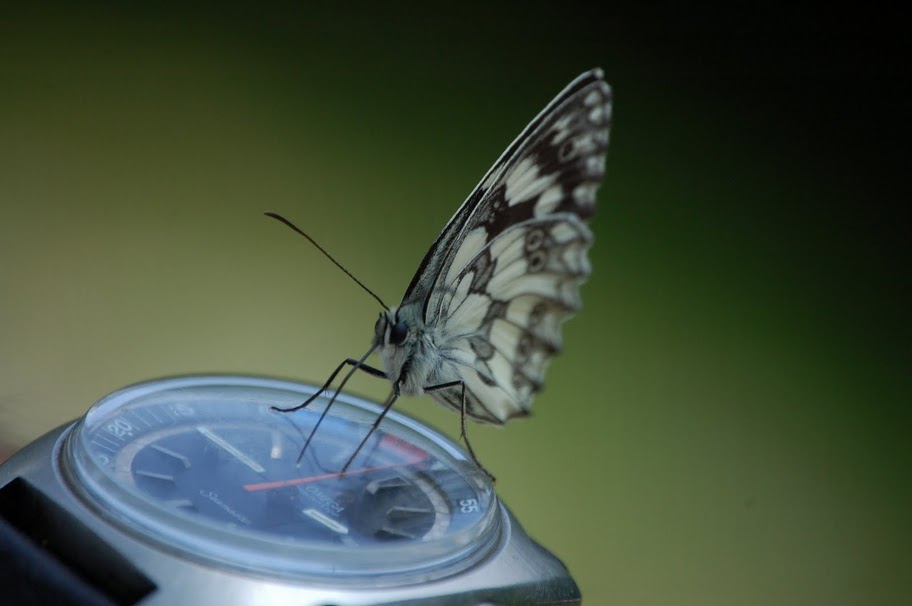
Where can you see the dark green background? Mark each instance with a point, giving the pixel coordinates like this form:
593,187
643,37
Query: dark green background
728,422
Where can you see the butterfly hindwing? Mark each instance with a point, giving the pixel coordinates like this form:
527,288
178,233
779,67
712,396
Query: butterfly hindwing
504,312
506,271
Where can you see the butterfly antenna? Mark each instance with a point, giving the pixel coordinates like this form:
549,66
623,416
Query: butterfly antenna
279,217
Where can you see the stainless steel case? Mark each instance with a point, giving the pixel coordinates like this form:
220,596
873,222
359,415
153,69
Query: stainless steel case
126,503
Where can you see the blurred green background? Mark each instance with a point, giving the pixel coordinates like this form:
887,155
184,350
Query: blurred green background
728,423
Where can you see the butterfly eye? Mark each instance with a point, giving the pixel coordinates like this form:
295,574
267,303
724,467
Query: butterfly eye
398,333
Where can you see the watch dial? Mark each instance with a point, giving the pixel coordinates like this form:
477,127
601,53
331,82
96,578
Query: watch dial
205,464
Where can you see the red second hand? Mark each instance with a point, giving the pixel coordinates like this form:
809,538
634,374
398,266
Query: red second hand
326,476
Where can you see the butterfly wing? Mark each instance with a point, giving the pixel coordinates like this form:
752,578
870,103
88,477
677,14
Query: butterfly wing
506,270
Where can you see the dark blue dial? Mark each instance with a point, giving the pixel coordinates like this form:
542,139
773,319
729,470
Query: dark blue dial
214,460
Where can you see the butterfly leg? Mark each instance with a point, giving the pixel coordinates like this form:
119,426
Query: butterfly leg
462,420
392,399
356,365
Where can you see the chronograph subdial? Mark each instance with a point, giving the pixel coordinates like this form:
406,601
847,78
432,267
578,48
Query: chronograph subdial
395,507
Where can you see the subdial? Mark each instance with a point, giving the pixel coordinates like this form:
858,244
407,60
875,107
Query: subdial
396,506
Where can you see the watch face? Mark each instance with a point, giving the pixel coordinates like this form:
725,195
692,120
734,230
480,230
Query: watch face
204,465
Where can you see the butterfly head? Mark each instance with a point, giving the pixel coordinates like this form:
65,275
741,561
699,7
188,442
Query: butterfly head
390,329
402,341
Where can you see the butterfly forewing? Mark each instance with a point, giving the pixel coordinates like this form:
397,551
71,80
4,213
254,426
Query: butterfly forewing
505,272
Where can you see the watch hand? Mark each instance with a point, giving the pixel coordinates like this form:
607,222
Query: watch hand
325,476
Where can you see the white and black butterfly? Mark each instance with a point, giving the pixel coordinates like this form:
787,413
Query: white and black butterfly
482,316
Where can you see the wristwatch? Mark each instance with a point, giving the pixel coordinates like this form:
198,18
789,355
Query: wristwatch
194,490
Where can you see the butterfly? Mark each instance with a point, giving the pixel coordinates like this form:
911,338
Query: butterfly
481,318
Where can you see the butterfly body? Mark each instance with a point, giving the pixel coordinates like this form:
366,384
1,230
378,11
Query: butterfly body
414,361
481,318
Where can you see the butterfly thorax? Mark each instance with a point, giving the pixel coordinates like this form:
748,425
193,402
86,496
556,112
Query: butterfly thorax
406,347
